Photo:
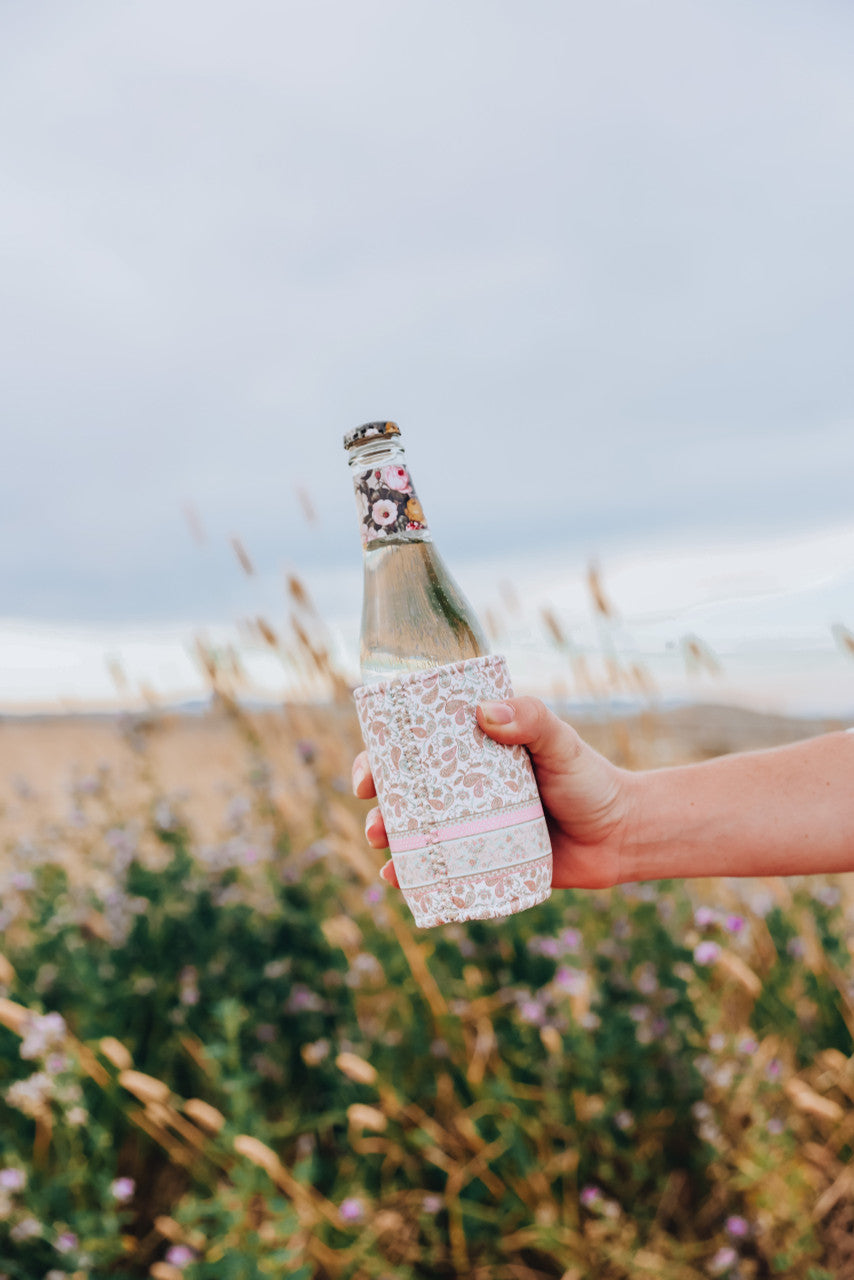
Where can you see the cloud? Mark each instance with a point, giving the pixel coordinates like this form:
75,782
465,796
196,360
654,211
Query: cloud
596,261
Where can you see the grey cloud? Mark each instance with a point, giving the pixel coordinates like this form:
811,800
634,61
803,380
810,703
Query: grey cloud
596,261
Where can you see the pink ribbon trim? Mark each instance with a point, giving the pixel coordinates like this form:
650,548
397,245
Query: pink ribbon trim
491,822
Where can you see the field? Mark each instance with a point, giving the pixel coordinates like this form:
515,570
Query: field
225,1052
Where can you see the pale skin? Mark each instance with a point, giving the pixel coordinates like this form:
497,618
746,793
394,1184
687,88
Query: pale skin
780,812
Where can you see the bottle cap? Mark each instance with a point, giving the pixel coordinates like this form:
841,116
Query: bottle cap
369,431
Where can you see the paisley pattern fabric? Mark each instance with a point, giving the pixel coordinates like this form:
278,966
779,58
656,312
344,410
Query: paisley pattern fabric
464,820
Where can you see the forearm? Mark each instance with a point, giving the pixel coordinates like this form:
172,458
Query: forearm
788,811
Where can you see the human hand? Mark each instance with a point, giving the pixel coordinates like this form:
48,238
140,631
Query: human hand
587,800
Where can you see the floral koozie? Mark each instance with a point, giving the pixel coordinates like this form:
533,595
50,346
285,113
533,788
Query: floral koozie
465,824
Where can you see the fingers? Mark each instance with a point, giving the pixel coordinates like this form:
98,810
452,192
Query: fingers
555,744
375,832
363,782
388,873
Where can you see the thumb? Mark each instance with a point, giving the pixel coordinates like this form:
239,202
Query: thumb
554,745
584,795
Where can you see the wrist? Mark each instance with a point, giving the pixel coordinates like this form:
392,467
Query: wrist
663,829
633,844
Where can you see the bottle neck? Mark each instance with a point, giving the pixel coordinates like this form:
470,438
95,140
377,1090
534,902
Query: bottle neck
388,507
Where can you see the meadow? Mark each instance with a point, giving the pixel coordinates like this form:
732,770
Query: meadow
227,1054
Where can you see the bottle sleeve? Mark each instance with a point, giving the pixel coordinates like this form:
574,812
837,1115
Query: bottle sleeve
463,815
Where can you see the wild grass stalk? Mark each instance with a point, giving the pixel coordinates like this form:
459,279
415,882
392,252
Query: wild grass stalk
226,1052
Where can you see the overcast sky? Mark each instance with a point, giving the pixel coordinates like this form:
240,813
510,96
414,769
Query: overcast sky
596,259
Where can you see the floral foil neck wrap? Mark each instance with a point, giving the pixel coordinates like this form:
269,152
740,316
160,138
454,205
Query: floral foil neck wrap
388,506
371,431
465,824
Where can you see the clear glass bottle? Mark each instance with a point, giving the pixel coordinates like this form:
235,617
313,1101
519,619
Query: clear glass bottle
414,616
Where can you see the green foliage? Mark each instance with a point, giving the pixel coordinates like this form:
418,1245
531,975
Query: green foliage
543,1096
797,1000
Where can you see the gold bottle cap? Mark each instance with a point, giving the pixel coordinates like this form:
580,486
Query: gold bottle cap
370,431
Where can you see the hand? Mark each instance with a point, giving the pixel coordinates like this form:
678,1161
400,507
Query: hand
587,800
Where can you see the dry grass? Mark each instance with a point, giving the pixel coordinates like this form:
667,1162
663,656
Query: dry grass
64,778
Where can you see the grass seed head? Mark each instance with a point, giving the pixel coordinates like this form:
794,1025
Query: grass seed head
165,1271
204,1115
361,1116
601,603
355,1068
255,1151
114,1051
243,557
144,1087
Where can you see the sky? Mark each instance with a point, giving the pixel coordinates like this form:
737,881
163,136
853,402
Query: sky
596,260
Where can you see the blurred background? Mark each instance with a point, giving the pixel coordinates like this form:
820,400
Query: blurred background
597,263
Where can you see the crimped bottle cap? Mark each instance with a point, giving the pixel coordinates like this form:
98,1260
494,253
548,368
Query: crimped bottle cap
370,431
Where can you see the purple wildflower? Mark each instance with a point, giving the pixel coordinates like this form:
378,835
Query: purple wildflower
572,981
590,1195
647,982
352,1209
706,953
725,1258
189,989
734,924
65,1242
544,947
26,1229
531,1011
302,1000
122,1188
43,1033
12,1179
737,1226
180,1255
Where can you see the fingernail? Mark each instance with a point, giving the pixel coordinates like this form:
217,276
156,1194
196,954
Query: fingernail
371,821
385,872
359,775
497,712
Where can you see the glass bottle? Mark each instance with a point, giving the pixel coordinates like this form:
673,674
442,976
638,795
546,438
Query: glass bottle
414,616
